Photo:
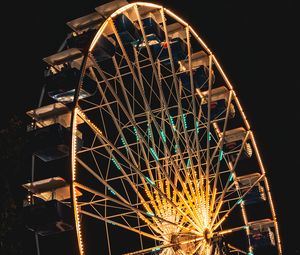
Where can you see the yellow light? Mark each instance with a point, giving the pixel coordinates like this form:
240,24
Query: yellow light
122,9
242,112
117,12
200,40
99,33
222,72
148,4
73,160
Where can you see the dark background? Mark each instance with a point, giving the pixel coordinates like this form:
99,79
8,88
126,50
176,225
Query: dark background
255,42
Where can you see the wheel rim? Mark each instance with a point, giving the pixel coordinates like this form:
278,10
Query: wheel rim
148,133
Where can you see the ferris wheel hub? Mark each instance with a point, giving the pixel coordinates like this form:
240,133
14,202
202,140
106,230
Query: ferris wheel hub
207,235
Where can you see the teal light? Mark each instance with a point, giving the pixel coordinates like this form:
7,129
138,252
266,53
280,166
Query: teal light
250,253
124,142
209,136
197,127
163,136
111,191
231,177
149,180
221,155
175,148
116,163
240,201
188,163
136,133
154,154
156,249
184,120
172,122
149,131
150,214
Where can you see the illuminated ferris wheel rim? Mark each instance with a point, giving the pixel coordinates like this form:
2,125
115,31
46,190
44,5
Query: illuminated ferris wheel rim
76,112
126,7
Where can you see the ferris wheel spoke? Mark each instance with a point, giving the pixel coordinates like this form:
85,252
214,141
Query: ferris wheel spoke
157,248
158,200
107,237
146,234
220,146
221,136
193,92
147,113
163,100
121,131
101,180
157,128
142,176
227,185
114,118
168,246
125,204
183,120
154,121
181,113
200,149
198,248
229,231
130,117
207,182
235,249
239,201
130,114
133,185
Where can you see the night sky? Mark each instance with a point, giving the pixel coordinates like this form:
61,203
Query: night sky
253,40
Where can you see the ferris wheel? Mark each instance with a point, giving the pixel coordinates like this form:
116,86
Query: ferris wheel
163,158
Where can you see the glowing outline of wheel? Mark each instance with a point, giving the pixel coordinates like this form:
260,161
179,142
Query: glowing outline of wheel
203,239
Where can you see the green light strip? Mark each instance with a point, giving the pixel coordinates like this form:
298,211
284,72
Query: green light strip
149,180
124,143
149,132
116,163
172,122
136,133
184,121
221,155
163,136
188,163
154,154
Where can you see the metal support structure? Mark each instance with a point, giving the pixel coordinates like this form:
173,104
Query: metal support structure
156,155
